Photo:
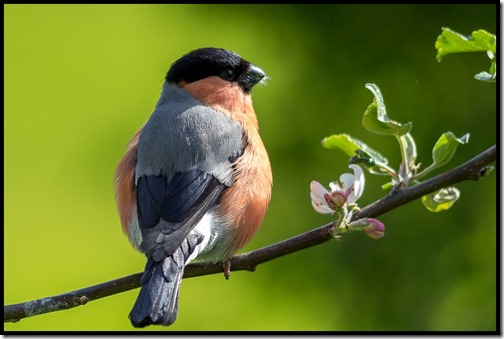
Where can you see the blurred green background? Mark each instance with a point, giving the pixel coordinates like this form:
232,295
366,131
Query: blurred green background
81,79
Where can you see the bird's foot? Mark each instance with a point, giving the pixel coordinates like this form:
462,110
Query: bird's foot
226,265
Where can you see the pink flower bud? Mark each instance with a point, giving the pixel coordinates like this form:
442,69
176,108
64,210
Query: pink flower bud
375,228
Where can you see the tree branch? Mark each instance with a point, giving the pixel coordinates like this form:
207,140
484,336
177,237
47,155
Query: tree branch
473,169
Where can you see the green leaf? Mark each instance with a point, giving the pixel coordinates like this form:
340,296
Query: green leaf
352,147
452,42
376,119
363,158
349,145
493,67
485,76
441,200
387,185
486,170
343,142
410,148
445,148
480,41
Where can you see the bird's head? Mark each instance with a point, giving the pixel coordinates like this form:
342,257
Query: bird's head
215,62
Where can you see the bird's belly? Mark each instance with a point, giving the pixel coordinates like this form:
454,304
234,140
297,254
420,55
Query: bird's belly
215,246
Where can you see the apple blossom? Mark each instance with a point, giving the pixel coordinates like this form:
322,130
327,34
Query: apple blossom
341,200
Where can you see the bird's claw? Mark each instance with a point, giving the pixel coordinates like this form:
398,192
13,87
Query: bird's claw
226,265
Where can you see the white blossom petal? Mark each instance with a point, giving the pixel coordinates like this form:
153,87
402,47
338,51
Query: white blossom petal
335,186
322,209
358,184
317,191
347,180
318,200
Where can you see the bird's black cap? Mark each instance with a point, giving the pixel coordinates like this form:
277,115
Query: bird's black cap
204,62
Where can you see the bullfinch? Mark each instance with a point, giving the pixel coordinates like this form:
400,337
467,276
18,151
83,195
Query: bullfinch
195,181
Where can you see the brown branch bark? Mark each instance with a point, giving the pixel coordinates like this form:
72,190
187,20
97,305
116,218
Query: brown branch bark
473,169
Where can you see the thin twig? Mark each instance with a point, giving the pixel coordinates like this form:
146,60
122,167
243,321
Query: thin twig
474,169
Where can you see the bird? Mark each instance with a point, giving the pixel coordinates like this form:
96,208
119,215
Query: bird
195,181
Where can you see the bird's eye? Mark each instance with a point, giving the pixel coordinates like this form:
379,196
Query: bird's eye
228,74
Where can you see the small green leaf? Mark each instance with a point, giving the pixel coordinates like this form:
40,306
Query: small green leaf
480,41
445,148
343,142
493,67
452,42
484,76
441,200
486,171
375,118
350,146
387,185
410,148
362,158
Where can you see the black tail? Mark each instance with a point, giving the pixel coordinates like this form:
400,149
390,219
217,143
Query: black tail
157,302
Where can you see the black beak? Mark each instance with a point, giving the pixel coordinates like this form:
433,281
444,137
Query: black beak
253,76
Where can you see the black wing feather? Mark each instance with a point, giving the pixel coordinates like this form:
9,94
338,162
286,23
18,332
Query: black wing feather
182,193
168,211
